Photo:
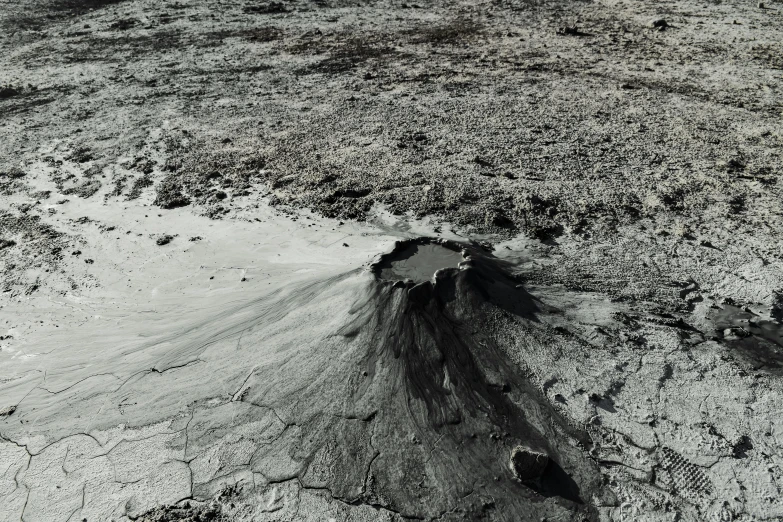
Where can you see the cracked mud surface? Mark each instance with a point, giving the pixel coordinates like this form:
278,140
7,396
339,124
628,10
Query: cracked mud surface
194,201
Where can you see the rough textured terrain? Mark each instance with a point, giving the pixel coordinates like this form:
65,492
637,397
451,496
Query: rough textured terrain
190,191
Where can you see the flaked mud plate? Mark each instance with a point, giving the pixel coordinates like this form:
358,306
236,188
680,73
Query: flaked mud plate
756,341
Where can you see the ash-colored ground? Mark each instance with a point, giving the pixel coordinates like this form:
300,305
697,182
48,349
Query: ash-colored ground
192,192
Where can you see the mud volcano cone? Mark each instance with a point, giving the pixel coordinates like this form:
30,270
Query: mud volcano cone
409,404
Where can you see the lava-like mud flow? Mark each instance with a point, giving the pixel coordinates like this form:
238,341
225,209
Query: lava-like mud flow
432,364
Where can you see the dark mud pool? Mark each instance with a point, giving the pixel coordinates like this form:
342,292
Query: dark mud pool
419,262
759,341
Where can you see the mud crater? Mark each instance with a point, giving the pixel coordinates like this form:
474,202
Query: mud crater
417,260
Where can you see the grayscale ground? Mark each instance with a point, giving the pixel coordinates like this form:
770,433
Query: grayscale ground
353,261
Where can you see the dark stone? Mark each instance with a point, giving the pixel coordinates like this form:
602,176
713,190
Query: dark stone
165,239
528,464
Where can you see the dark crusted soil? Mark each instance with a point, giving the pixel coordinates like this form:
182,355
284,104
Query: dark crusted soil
186,512
29,249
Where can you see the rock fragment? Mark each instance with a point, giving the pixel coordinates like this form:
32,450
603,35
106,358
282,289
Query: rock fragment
528,464
660,24
6,91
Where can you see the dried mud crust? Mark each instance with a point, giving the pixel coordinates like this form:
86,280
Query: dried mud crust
397,402
556,402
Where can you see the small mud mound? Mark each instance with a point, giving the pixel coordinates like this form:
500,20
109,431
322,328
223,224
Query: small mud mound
412,407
